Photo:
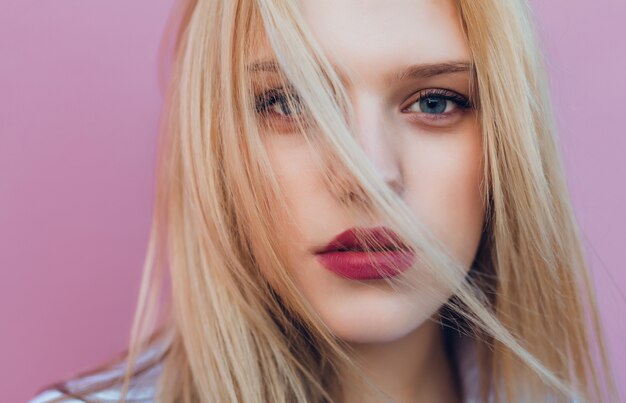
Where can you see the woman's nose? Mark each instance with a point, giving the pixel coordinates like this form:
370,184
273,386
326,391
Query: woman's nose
374,131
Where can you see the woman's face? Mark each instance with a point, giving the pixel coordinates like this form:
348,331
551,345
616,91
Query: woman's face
407,62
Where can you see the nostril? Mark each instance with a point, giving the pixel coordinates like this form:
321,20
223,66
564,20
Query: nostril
397,187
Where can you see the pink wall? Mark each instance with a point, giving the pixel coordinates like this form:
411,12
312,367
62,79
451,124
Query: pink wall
79,109
585,46
79,104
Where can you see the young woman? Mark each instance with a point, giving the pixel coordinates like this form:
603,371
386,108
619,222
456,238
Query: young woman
359,201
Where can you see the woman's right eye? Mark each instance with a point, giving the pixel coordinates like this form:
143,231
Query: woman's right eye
279,103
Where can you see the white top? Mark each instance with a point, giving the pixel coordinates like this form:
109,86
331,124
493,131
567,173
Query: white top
143,386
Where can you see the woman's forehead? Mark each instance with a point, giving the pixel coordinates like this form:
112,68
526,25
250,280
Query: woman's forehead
379,36
371,40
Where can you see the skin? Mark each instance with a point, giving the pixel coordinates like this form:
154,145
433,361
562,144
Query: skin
433,160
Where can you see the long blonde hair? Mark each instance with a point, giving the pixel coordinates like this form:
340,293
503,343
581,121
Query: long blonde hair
528,302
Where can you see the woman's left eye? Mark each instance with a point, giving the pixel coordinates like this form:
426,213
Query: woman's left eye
280,103
437,102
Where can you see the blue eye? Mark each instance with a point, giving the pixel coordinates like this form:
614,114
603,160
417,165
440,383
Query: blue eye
434,105
437,102
278,102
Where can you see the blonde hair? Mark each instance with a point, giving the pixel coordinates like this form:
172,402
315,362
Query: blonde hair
528,302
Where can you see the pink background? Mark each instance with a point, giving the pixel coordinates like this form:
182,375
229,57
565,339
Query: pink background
79,106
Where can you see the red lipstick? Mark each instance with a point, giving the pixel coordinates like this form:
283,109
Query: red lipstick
350,254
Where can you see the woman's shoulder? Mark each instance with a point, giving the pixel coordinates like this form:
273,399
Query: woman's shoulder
106,386
49,396
146,393
141,389
105,395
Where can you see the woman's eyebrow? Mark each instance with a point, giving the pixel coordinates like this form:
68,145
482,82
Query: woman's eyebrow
417,71
427,70
270,66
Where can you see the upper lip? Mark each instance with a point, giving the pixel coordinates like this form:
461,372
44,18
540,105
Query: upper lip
383,236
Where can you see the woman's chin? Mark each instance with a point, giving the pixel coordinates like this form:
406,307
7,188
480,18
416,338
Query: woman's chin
375,323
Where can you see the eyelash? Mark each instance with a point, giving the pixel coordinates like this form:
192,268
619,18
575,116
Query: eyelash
440,93
269,98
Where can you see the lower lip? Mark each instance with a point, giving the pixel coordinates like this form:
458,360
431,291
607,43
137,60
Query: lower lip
361,265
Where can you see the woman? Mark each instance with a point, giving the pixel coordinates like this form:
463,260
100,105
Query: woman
360,202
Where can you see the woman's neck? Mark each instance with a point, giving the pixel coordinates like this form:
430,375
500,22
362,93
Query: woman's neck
415,368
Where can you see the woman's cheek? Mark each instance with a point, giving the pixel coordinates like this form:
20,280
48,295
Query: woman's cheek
443,175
